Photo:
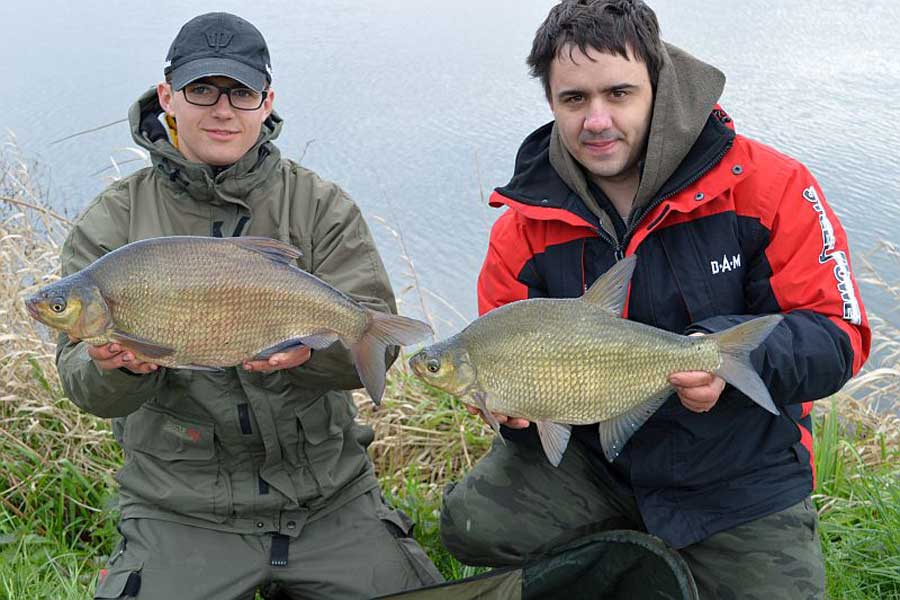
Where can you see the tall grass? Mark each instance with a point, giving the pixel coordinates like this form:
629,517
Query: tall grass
858,469
57,516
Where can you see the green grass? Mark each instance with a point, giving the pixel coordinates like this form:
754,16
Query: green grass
859,502
423,506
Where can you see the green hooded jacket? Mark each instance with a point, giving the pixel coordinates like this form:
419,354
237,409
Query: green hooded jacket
233,450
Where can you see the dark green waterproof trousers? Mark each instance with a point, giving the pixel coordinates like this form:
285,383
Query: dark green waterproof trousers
359,551
514,505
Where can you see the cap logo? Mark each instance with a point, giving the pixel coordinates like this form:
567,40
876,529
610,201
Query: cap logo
219,39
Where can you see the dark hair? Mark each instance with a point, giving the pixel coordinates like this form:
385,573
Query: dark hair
611,26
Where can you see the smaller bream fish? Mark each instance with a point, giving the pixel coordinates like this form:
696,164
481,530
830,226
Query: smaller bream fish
207,303
560,362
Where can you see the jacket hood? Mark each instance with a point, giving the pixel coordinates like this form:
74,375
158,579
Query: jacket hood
202,181
686,93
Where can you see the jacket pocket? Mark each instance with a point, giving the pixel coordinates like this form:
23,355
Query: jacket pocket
708,267
171,462
322,426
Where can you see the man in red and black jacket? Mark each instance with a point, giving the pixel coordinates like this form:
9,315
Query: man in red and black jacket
640,159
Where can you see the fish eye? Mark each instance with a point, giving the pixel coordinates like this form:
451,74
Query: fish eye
57,305
433,365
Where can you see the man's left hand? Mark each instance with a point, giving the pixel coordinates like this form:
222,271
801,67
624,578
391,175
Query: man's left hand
280,360
698,390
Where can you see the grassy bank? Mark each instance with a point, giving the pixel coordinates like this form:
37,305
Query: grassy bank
57,500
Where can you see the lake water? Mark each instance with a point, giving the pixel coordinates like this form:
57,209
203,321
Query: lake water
417,107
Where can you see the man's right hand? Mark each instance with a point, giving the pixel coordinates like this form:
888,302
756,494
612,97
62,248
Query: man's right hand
114,356
511,422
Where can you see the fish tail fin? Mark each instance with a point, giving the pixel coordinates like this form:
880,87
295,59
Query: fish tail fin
735,345
396,330
368,353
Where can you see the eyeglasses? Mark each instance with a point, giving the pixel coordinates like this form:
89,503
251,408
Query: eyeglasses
207,94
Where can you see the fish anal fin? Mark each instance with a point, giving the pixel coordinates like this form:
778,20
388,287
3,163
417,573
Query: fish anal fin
611,289
139,345
318,341
615,432
275,249
554,439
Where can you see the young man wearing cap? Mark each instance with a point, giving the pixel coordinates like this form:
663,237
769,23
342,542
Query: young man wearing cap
257,476
640,160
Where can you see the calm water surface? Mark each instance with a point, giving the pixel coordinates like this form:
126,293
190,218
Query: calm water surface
417,107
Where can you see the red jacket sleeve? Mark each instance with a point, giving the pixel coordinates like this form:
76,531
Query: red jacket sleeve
509,252
810,260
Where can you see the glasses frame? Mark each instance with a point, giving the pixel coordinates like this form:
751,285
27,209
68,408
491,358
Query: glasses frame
227,91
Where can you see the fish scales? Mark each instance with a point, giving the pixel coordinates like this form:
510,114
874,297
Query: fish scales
577,355
218,316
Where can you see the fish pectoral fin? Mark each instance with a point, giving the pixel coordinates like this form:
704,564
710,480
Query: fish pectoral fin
615,432
611,289
277,250
139,345
554,439
480,399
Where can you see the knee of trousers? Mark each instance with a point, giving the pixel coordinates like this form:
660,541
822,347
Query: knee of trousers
467,543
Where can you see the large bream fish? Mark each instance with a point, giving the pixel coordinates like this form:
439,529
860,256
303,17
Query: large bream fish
207,303
575,361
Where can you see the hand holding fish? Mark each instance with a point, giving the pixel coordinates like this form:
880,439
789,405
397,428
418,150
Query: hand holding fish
114,356
698,390
511,422
280,360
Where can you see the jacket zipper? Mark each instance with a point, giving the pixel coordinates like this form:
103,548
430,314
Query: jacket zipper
621,246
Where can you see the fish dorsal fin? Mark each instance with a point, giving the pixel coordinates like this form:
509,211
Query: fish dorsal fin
275,249
554,439
610,290
615,432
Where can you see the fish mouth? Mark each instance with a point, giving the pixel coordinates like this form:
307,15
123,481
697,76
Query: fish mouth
32,310
415,363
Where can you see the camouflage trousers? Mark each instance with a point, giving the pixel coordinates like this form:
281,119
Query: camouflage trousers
490,518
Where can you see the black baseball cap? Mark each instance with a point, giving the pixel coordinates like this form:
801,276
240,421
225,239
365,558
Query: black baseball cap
219,44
